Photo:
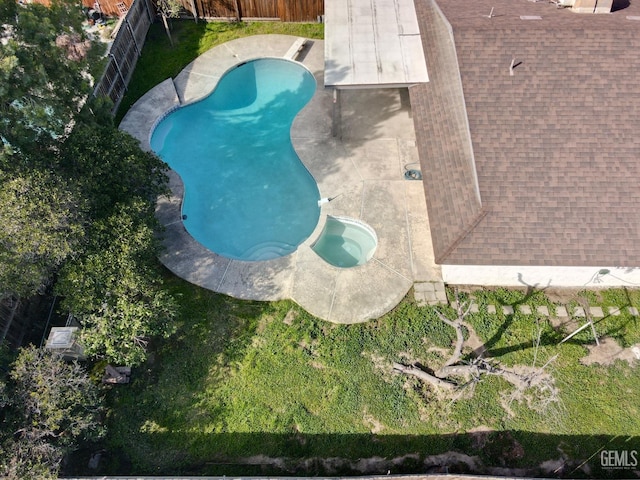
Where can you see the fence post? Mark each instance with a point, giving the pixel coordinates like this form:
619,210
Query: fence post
124,82
135,42
148,9
238,11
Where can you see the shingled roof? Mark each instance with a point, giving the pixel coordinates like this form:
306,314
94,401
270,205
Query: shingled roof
540,167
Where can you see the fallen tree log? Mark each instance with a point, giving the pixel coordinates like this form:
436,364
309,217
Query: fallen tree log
422,375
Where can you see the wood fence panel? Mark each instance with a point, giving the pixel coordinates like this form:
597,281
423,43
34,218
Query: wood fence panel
259,8
211,9
285,10
300,10
124,53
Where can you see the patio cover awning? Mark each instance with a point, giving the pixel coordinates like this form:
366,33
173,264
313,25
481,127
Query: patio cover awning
372,43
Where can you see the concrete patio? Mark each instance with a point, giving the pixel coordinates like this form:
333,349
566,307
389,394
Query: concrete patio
364,163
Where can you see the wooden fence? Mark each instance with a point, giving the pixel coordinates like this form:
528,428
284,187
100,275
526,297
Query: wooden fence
284,10
127,46
124,52
12,323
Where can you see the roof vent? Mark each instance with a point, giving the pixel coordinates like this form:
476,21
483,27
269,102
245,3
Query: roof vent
530,17
491,15
633,17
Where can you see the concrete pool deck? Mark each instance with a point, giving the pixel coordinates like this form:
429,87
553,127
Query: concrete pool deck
364,164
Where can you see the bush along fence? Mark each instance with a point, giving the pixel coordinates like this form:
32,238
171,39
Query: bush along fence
124,52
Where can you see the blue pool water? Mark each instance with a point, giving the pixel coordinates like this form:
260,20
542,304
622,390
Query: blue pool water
247,194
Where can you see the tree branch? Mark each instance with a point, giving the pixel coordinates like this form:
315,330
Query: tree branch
457,352
476,367
422,375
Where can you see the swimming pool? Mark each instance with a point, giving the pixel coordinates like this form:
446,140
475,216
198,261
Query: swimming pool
247,194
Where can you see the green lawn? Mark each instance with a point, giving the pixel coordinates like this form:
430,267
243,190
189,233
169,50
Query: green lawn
160,60
244,379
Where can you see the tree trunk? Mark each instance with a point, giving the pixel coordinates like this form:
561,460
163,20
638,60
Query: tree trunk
166,28
422,375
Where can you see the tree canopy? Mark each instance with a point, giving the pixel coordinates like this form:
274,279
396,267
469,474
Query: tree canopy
113,285
48,405
114,289
77,195
42,88
41,83
109,168
41,227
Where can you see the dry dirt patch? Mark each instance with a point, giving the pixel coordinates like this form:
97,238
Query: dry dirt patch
609,351
372,423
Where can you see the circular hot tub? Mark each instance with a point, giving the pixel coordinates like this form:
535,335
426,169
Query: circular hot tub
346,242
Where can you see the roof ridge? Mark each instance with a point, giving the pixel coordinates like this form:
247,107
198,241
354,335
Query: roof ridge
445,147
474,223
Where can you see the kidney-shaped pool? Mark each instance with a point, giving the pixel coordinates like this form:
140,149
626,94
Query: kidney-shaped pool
247,194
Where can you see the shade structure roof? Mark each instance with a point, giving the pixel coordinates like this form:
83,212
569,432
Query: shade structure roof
372,43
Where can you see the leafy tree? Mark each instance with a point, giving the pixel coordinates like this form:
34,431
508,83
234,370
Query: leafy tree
40,227
49,405
115,289
109,167
114,285
42,77
96,227
43,82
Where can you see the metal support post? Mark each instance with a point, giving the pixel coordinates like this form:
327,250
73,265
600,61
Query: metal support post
336,127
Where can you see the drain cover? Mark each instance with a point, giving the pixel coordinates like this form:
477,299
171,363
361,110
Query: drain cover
413,175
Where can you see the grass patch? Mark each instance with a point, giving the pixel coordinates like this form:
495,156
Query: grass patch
160,60
239,382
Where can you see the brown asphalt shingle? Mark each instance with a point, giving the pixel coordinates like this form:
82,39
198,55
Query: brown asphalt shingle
443,139
556,145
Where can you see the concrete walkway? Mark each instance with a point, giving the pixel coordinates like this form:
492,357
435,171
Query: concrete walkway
364,164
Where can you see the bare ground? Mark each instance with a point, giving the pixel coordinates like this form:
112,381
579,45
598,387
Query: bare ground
609,351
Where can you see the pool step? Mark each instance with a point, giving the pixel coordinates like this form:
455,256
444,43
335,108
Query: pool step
268,251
